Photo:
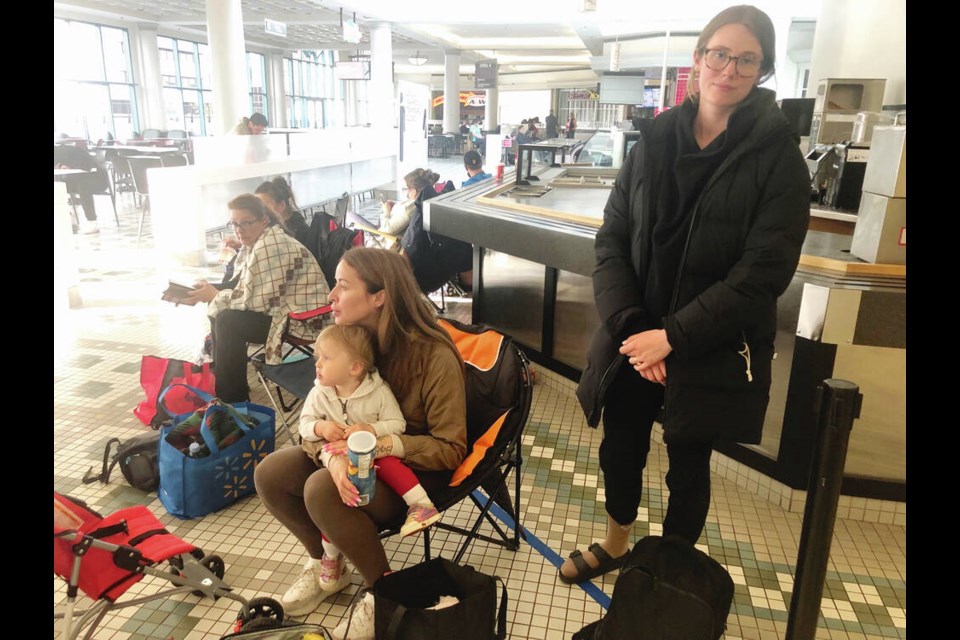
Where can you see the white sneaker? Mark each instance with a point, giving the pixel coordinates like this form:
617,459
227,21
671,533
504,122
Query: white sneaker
359,623
306,593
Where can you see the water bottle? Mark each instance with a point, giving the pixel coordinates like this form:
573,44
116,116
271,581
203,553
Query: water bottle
197,450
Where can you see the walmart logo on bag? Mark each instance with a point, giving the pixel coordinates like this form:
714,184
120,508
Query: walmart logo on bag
235,480
258,451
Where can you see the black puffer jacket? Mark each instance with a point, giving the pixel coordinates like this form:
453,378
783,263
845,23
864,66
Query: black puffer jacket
743,246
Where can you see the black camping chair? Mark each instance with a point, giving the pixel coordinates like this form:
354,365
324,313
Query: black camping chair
328,239
498,386
293,378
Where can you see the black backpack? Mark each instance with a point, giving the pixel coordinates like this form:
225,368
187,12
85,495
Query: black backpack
667,590
138,462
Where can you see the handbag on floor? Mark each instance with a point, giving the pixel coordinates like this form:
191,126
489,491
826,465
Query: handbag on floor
668,590
207,457
402,598
157,374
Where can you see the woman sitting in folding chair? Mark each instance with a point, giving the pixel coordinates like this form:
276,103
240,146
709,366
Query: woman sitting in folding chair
435,258
375,288
275,275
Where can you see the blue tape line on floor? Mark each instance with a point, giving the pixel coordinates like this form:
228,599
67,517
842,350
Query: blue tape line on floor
552,556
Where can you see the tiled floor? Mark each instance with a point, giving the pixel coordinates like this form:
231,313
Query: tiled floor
96,385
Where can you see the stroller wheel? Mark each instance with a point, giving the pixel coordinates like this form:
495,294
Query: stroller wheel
266,609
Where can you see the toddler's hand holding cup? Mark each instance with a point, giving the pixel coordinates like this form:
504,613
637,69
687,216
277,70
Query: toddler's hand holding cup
361,449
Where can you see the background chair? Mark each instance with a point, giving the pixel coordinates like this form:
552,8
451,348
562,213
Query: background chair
138,169
106,184
173,160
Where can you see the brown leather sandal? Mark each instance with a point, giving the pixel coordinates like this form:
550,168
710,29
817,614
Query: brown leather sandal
585,572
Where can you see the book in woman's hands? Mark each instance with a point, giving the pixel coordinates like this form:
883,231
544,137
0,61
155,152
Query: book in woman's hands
178,293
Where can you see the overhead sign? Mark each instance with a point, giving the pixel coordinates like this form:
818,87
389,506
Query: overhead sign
485,73
274,27
467,99
583,94
351,32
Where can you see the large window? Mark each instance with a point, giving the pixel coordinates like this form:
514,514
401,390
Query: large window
314,98
257,80
187,80
93,90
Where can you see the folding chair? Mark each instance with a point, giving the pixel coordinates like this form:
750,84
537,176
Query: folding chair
499,395
138,169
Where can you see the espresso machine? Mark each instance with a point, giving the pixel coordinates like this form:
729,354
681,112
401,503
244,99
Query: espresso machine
845,180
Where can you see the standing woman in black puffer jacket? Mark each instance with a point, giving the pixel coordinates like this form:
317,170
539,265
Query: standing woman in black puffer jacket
700,236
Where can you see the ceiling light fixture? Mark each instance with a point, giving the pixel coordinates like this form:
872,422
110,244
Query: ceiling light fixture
417,59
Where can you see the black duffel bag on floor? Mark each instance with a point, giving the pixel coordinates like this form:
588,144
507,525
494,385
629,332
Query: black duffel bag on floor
402,600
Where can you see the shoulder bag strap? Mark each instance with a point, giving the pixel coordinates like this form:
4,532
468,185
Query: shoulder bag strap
395,620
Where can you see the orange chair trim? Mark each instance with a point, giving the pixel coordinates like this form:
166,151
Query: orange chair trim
480,447
480,350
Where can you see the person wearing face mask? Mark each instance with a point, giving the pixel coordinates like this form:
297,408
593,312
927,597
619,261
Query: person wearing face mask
275,275
701,234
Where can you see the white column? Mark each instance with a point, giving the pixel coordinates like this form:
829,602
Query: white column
276,81
862,39
153,115
451,92
381,76
491,111
228,63
663,70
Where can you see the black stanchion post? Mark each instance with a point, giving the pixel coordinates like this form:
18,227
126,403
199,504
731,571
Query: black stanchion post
838,405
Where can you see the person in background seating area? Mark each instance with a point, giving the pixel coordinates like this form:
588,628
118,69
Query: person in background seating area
82,186
551,125
473,163
275,275
282,208
252,126
396,216
278,197
571,126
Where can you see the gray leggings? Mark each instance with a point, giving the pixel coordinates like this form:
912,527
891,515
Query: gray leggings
305,500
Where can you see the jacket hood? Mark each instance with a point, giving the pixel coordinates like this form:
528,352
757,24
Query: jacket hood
370,384
761,105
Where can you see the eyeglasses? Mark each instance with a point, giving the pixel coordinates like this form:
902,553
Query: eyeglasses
246,224
748,65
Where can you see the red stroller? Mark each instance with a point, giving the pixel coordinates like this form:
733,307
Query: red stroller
105,556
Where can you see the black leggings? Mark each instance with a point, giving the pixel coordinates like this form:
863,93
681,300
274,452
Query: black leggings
631,406
232,329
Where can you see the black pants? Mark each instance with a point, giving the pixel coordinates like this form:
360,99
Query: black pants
83,186
631,406
232,330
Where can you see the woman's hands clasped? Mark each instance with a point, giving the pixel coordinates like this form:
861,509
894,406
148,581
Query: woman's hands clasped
646,352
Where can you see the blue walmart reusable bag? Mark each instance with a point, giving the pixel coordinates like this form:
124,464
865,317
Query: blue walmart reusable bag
191,487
